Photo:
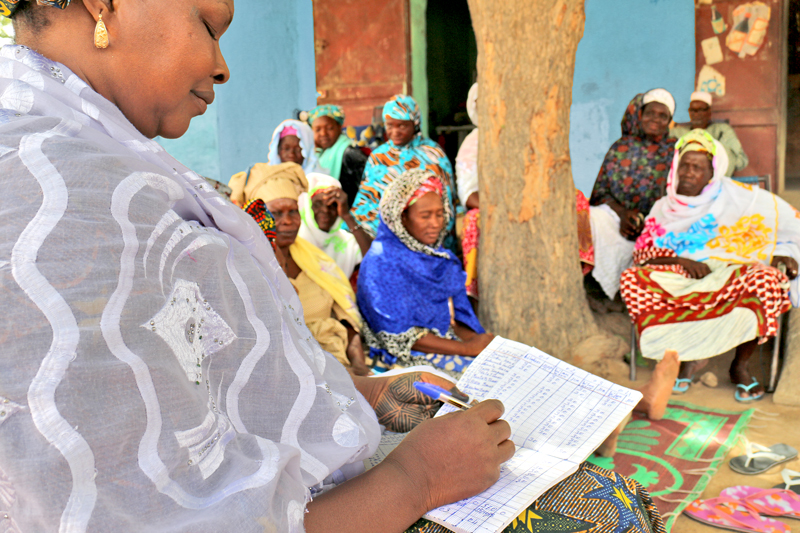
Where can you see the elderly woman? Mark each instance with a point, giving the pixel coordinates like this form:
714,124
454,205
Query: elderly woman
293,142
337,153
155,366
329,225
410,288
706,279
328,300
406,149
633,176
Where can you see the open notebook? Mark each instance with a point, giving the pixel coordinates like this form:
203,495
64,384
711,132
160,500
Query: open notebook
558,414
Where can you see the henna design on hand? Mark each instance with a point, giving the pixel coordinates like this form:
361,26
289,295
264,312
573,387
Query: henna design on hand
401,407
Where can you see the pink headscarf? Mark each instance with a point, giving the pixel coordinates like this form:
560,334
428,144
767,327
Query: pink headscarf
289,130
432,184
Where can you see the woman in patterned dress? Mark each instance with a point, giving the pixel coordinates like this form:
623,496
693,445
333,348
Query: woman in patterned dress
407,148
633,176
706,277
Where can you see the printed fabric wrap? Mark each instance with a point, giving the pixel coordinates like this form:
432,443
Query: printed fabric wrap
592,500
157,366
9,7
258,210
403,107
306,136
734,228
405,287
634,171
327,110
338,243
389,161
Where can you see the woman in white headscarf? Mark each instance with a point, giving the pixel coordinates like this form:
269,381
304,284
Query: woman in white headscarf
329,225
704,280
293,142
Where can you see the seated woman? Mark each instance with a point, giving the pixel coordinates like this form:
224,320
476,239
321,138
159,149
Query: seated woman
337,153
293,142
410,288
155,366
633,176
328,300
467,187
406,149
705,280
326,220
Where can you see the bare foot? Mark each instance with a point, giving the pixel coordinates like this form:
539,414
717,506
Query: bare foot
657,391
609,446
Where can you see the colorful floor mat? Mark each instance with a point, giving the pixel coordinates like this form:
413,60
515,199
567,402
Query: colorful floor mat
674,458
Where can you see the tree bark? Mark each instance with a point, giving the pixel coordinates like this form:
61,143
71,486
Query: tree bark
529,276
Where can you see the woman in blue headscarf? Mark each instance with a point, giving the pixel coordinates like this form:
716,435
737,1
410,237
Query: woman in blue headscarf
406,149
410,289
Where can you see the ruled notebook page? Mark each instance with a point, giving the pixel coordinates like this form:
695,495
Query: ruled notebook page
558,414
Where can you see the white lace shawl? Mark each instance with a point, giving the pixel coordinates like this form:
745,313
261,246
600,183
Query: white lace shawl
156,372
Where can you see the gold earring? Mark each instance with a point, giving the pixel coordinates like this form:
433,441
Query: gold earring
100,33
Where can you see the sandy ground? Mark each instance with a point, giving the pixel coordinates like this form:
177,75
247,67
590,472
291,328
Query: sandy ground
782,427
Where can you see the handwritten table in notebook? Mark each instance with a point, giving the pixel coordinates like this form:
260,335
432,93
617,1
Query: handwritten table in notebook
558,415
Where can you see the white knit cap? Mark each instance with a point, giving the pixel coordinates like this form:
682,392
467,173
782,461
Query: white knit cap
702,96
662,96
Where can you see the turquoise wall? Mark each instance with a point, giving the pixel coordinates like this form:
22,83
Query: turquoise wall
270,53
628,47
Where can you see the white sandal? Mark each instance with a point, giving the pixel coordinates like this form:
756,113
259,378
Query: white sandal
758,459
791,481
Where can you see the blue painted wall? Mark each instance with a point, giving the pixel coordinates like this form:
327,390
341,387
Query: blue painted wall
628,47
269,49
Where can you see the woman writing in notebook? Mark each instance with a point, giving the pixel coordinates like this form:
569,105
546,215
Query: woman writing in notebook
179,391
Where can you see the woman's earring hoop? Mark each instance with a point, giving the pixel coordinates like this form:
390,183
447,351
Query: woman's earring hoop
100,33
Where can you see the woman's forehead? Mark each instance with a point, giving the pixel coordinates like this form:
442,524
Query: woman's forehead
282,204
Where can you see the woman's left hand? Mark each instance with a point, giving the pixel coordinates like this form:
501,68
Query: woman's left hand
791,265
335,195
400,406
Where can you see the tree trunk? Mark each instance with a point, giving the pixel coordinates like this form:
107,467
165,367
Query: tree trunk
530,280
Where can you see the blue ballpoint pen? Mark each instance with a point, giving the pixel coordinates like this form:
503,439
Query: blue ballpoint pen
438,393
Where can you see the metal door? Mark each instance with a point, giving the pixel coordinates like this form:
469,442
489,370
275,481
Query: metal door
755,87
362,54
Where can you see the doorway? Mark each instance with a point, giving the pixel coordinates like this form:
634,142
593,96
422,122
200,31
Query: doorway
452,55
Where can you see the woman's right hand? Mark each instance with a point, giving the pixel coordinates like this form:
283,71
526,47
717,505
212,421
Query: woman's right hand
695,269
477,343
630,223
454,456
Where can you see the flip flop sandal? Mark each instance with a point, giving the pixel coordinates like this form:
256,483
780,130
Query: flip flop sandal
791,481
770,502
726,513
681,385
758,459
742,388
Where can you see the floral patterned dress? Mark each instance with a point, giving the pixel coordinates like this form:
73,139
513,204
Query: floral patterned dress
634,171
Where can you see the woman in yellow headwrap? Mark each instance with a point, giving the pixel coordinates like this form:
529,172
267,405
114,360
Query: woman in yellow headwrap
328,299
